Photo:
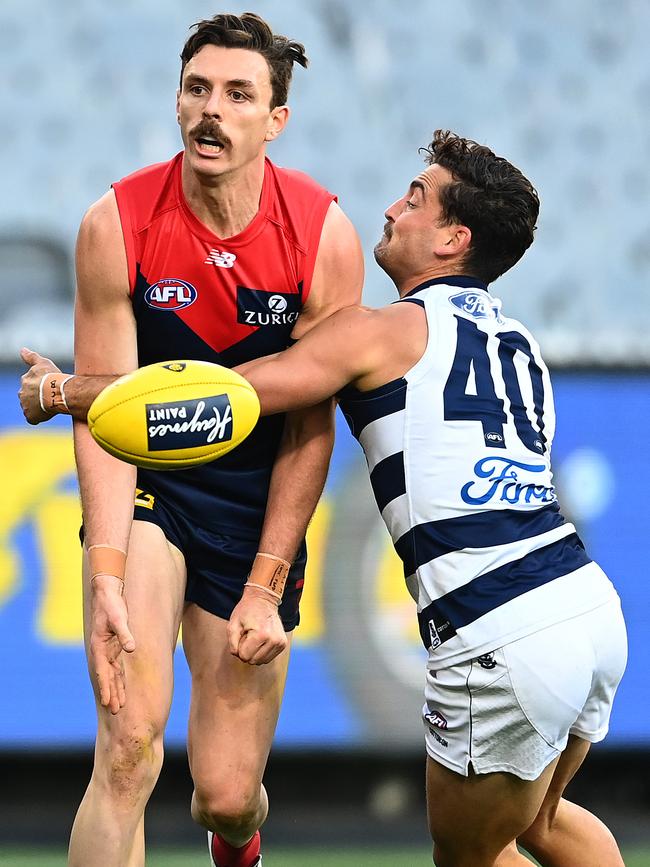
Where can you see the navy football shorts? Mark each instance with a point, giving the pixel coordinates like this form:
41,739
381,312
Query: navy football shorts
218,563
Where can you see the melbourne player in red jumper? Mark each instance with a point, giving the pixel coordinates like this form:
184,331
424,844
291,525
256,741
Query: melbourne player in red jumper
216,255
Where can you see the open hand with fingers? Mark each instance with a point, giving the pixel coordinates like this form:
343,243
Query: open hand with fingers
255,631
109,636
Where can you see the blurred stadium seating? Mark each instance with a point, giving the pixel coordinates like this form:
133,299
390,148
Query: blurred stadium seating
563,89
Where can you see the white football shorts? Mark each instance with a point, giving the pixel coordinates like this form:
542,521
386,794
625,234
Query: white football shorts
513,709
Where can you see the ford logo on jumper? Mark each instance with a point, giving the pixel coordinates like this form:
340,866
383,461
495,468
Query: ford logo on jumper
480,305
185,424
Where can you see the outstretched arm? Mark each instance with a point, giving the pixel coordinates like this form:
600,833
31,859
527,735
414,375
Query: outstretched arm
336,352
46,391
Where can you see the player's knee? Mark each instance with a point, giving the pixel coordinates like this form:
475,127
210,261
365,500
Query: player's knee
445,856
459,854
133,763
227,810
535,837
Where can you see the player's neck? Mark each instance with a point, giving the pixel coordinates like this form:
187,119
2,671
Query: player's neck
407,284
228,203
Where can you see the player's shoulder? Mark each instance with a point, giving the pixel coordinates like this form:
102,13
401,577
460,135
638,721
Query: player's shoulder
101,218
348,320
395,325
369,324
150,176
296,181
378,317
376,341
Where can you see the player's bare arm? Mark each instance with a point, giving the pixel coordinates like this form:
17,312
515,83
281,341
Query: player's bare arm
45,391
105,343
303,458
348,348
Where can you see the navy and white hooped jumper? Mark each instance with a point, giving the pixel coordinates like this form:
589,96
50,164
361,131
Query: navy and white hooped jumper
458,451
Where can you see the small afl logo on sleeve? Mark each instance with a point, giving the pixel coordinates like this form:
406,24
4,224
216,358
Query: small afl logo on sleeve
175,366
186,424
436,641
170,294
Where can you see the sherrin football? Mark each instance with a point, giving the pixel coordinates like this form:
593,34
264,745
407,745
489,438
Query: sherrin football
174,415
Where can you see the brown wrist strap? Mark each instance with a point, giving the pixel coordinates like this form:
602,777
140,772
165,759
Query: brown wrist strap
106,560
269,572
277,599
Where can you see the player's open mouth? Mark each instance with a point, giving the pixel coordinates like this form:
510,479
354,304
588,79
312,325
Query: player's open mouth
210,145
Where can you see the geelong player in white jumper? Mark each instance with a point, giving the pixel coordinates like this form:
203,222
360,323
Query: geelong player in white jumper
452,404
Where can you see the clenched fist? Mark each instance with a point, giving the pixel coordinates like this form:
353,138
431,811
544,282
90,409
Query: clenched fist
30,387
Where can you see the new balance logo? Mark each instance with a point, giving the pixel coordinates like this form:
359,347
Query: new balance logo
220,259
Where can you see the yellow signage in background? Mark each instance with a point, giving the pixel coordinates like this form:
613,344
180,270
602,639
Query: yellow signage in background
34,465
57,523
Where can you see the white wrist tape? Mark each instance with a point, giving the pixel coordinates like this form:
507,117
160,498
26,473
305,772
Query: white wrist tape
55,398
40,392
61,386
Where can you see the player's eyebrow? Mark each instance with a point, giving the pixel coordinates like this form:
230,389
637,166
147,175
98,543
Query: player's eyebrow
193,78
241,82
418,185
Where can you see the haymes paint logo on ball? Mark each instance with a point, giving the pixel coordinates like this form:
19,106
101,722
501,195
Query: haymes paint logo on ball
185,424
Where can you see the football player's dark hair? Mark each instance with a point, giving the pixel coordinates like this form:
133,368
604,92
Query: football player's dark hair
249,31
488,195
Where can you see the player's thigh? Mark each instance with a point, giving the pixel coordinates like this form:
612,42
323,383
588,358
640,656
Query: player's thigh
234,707
592,719
566,768
495,728
481,813
154,591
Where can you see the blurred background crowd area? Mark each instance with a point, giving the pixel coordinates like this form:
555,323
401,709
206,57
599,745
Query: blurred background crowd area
562,89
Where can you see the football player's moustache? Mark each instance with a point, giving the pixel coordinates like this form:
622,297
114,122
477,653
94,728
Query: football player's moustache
388,230
210,129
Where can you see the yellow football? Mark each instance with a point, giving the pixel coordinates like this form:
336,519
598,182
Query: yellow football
174,415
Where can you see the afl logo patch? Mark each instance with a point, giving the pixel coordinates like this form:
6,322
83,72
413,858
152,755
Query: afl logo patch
170,294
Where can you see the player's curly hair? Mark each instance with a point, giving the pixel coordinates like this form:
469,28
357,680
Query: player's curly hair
249,31
491,197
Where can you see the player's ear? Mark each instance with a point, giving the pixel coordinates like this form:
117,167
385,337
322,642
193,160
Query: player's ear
277,122
455,241
178,106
